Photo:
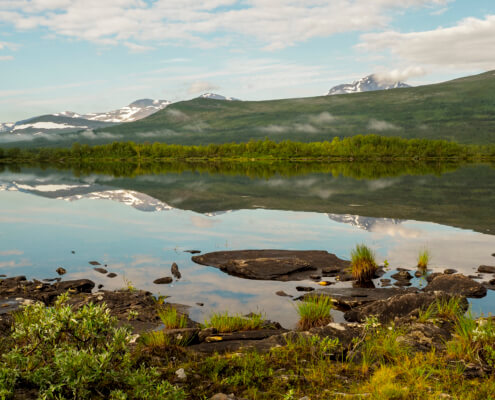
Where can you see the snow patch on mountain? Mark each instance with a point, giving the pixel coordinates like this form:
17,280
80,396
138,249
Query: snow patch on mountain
45,125
214,96
367,84
136,110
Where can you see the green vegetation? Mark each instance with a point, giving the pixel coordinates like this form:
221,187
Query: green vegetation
449,309
60,353
363,264
171,318
224,323
66,353
423,259
359,147
314,311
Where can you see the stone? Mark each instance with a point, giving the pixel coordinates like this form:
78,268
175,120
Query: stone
315,277
200,304
456,284
181,374
449,271
78,286
425,337
73,252
163,281
175,271
192,251
401,305
330,271
402,283
346,298
432,276
271,264
61,271
486,269
112,275
94,263
402,276
281,293
419,274
304,288
100,270
100,286
204,333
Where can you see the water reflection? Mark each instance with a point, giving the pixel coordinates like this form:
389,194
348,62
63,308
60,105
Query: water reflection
137,227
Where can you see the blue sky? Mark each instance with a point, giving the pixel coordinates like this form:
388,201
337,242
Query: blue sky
97,55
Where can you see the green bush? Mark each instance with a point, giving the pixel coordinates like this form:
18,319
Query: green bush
82,354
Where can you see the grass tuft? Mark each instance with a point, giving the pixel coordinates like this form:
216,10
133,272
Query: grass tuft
443,308
314,311
363,264
224,323
171,318
423,259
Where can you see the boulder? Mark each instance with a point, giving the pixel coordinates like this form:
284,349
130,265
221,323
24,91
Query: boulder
61,271
486,269
401,305
163,281
100,270
175,271
75,286
456,284
425,337
346,298
272,264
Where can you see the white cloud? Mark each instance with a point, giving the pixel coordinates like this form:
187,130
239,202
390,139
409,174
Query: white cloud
137,48
322,118
274,23
395,75
6,58
380,126
201,87
467,45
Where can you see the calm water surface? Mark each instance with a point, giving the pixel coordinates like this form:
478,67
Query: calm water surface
140,225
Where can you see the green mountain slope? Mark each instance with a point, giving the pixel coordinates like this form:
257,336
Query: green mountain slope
462,110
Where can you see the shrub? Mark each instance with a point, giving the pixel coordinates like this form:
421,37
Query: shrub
232,323
363,264
68,353
314,311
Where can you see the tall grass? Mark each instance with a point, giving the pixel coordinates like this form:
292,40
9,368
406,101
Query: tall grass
363,264
443,308
423,259
314,311
171,318
224,323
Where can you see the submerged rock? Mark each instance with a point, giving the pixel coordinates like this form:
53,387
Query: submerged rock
112,275
456,284
94,263
281,293
100,270
272,264
304,288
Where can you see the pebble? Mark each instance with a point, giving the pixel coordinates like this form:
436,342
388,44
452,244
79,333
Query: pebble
61,271
181,374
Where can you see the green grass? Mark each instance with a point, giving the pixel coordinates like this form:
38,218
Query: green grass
171,318
424,258
444,308
314,311
224,322
363,264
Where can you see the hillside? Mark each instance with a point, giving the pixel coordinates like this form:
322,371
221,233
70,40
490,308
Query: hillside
462,110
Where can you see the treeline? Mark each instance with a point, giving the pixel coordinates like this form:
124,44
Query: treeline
361,147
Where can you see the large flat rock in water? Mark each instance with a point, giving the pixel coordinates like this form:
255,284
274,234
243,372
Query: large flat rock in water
282,265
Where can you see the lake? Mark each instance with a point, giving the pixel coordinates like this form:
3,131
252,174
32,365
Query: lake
139,219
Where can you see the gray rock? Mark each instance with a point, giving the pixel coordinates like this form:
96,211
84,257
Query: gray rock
402,276
397,306
181,374
100,270
282,294
304,288
449,271
61,271
486,269
456,284
163,281
112,275
175,271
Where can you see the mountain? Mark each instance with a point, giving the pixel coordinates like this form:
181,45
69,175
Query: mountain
365,223
461,110
137,110
214,96
70,122
367,84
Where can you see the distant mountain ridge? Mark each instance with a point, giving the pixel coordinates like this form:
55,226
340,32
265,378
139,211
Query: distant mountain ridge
69,121
369,83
